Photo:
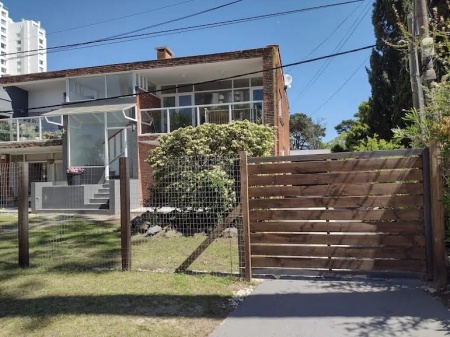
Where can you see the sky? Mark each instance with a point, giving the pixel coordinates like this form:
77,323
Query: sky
328,91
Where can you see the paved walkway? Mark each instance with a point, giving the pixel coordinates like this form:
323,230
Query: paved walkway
334,308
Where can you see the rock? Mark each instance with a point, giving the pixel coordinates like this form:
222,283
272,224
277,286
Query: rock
152,230
230,233
172,234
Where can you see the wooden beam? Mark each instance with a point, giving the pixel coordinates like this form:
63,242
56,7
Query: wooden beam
214,234
437,217
245,216
24,248
125,232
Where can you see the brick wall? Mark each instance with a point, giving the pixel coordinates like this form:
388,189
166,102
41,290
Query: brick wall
146,101
274,92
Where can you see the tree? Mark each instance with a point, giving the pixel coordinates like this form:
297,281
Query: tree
388,75
344,126
305,133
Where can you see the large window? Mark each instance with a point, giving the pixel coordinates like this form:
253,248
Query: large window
94,87
87,140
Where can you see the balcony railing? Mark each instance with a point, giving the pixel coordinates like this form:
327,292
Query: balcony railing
166,120
30,128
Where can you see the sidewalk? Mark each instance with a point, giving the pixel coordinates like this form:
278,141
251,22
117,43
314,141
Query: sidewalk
325,308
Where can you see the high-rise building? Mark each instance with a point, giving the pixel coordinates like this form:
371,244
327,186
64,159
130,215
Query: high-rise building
16,39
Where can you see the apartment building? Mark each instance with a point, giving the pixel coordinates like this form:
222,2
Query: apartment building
22,46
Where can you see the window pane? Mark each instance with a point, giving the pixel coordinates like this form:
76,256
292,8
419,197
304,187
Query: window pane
86,88
213,86
168,89
213,97
185,88
116,119
241,83
242,95
168,101
257,82
86,140
118,85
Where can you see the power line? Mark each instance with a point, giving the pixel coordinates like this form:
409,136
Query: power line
114,19
208,81
333,32
339,46
67,46
176,20
340,88
189,28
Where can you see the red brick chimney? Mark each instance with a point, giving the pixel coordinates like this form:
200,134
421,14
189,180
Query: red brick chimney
163,53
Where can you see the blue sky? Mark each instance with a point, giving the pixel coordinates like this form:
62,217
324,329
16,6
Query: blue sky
298,36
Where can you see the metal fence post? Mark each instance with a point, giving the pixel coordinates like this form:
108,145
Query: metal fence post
243,172
125,233
24,248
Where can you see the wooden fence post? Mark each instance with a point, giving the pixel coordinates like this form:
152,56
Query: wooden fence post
24,248
437,217
125,232
243,165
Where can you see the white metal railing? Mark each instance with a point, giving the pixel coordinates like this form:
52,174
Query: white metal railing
30,128
166,120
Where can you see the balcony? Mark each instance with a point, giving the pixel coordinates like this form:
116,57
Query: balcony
30,129
167,120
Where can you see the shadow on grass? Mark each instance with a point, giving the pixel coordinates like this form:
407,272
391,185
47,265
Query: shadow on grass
398,320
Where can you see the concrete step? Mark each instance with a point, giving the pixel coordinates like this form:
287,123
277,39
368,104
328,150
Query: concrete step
96,206
103,190
98,200
101,195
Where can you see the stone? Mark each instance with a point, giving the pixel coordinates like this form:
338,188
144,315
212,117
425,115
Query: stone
230,233
172,234
152,230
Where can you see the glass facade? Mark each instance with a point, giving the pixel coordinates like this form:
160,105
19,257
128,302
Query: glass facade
105,86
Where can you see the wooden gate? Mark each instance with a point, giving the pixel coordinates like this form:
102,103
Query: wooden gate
344,212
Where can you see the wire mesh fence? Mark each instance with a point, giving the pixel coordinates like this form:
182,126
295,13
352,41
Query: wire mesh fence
9,176
190,219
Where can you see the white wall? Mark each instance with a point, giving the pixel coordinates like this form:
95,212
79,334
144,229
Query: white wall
50,94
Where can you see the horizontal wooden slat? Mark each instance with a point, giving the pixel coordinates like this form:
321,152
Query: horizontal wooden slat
340,155
337,166
328,251
349,264
363,227
338,239
337,178
392,201
336,190
363,215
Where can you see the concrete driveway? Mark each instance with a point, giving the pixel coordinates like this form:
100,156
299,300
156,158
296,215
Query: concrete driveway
334,308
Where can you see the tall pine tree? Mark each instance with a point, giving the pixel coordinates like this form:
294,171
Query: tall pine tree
388,74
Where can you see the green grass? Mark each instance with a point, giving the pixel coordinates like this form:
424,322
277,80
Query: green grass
79,243
63,295
61,304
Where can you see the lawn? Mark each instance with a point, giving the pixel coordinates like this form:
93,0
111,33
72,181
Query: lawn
61,242
35,303
74,288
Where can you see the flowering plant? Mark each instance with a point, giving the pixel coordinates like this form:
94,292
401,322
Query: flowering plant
75,170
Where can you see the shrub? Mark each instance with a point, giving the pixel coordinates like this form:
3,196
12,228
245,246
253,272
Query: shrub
194,171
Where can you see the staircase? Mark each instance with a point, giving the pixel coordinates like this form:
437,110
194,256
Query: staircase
100,201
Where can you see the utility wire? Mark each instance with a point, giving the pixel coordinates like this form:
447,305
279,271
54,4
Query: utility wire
113,19
339,47
196,27
206,82
330,35
176,20
125,33
340,88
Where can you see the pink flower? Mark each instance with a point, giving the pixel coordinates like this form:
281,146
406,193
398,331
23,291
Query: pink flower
75,170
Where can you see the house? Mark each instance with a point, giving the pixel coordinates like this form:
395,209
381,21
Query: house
90,117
